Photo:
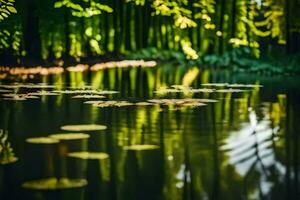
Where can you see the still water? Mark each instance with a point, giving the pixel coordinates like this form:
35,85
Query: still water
244,146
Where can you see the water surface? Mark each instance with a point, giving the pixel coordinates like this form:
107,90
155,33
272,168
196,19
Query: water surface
244,146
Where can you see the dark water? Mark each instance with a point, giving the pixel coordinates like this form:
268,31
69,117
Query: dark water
245,146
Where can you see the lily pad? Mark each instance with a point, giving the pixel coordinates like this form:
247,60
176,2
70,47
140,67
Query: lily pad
244,85
144,104
201,90
12,86
93,102
141,147
37,86
88,96
53,183
214,84
42,140
69,136
230,90
84,127
16,98
78,91
113,104
5,91
43,93
180,102
103,92
89,155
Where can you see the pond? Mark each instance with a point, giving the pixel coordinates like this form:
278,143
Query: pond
150,133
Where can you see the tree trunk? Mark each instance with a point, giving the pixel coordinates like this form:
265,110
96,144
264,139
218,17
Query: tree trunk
32,41
128,27
221,25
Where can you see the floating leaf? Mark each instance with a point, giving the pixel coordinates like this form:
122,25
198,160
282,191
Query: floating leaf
16,97
84,91
214,84
141,147
87,96
5,91
230,90
43,93
89,155
84,127
244,85
53,183
42,140
69,136
181,102
144,104
113,104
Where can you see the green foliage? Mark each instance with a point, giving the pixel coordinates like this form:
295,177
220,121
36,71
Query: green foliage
205,12
177,9
4,36
196,28
274,20
6,8
86,8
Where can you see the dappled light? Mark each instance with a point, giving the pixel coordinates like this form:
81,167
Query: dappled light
149,100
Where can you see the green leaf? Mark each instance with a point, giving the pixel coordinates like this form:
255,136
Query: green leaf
58,4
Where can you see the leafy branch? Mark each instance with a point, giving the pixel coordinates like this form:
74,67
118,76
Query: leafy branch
6,8
87,8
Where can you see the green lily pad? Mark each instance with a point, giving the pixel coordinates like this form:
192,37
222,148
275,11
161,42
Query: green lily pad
141,147
89,155
214,84
43,93
88,96
53,183
113,104
230,90
42,140
84,127
244,85
69,136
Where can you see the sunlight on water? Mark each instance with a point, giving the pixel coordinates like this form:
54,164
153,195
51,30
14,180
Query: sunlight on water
152,132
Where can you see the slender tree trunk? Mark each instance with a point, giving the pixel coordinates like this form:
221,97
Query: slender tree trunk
32,40
106,31
155,30
160,31
166,24
121,19
128,27
116,26
221,25
287,25
67,34
146,23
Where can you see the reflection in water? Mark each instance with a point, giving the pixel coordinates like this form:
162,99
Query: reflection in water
7,155
243,145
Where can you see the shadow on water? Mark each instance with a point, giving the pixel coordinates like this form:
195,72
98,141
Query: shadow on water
244,146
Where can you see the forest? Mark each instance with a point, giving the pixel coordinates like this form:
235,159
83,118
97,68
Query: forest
149,99
202,32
